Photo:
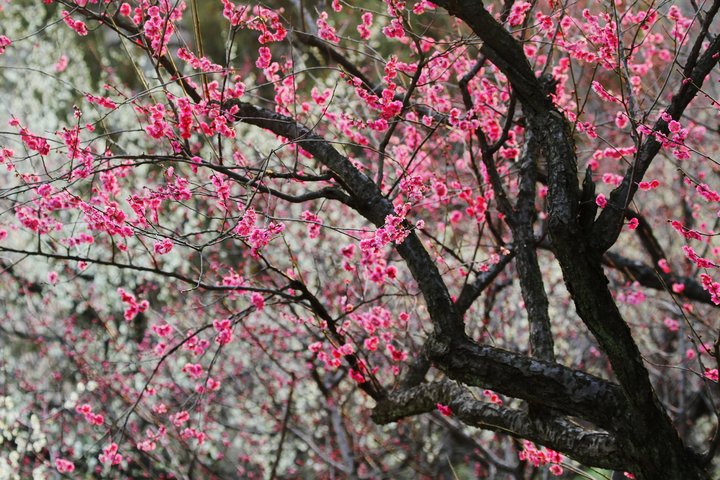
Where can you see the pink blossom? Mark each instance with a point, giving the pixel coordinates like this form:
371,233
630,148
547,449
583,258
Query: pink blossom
663,264
76,25
110,455
444,409
621,120
164,246
61,64
357,376
325,30
601,201
64,466
162,330
517,13
180,418
364,27
603,93
313,226
194,370
712,287
258,301
395,29
146,446
212,384
371,343
264,58
4,43
672,325
95,419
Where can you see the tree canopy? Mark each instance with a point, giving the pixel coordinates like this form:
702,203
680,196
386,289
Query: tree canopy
376,239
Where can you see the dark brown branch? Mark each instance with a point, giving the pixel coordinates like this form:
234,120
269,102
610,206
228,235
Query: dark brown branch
593,448
546,384
650,277
372,387
472,291
527,263
659,451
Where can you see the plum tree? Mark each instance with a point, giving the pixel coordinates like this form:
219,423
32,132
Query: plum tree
388,239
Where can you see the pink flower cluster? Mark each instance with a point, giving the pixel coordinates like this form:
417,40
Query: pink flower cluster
493,397
93,418
194,370
163,330
133,306
159,127
392,231
395,29
701,262
196,345
540,457
444,409
188,433
325,30
158,30
264,58
203,64
256,237
102,101
110,455
268,23
64,466
712,287
224,331
4,43
236,14
517,13
258,301
32,142
180,418
364,28
76,25
313,226
164,246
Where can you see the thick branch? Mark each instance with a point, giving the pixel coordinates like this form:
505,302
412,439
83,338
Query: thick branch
652,278
542,383
531,278
593,448
656,446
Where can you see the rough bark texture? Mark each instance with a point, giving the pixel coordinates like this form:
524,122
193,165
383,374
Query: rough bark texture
586,446
654,445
